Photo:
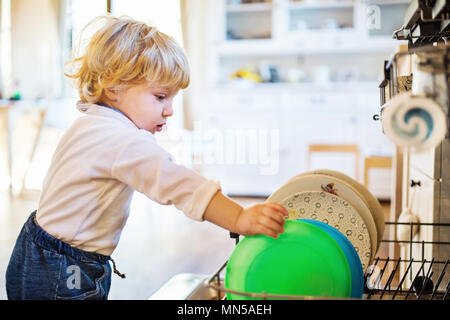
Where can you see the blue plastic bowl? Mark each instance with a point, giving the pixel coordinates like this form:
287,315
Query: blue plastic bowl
353,260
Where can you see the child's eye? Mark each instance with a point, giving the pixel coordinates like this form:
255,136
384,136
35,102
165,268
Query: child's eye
160,97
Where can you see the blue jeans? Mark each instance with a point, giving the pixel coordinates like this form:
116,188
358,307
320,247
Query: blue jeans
43,267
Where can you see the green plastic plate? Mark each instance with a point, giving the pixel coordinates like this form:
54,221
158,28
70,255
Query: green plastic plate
305,260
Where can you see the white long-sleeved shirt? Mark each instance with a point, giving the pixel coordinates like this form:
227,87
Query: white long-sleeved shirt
100,160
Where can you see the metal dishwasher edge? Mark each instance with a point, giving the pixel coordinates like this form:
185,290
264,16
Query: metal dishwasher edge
185,286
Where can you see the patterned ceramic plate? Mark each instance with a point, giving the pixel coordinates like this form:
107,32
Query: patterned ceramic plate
332,185
336,212
371,201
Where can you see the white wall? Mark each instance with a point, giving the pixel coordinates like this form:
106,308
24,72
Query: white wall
35,47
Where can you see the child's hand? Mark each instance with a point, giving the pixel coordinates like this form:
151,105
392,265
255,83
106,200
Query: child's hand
266,218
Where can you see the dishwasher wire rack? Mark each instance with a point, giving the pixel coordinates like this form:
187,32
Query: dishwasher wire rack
380,283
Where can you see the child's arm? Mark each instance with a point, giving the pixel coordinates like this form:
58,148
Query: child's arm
145,166
266,218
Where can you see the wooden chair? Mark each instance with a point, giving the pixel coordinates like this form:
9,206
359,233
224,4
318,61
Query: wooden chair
341,148
375,162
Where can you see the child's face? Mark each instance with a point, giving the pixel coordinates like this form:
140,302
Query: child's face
147,106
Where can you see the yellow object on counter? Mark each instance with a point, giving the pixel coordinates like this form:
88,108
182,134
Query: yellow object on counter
246,74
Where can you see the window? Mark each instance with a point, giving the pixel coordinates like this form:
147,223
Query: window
5,48
164,15
78,13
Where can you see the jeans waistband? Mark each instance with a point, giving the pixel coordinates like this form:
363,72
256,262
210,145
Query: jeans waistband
47,241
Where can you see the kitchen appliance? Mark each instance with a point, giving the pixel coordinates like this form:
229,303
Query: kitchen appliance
379,282
415,268
417,78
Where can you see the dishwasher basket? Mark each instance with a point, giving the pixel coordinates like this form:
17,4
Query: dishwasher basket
415,278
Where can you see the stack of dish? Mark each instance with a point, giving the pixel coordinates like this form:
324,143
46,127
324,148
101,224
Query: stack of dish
354,263
306,260
340,201
333,231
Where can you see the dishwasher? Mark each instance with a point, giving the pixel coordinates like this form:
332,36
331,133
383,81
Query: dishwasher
416,266
383,279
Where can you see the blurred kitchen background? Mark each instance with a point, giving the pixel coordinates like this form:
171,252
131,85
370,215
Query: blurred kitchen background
277,88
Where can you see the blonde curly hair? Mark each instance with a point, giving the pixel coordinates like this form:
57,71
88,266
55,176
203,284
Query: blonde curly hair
125,52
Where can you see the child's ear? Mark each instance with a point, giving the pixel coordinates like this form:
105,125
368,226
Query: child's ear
112,94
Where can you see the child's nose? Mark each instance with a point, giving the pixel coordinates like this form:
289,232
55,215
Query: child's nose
168,111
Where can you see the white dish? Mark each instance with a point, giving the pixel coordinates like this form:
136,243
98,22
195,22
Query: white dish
415,122
371,201
336,212
333,185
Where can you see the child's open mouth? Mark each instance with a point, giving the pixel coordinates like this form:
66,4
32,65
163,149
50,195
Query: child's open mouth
159,127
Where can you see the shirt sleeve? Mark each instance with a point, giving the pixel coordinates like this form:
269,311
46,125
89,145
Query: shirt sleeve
142,164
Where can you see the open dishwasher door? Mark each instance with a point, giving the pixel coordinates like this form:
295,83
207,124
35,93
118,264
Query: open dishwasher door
186,286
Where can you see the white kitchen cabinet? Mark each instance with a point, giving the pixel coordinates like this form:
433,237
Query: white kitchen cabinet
327,55
284,121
